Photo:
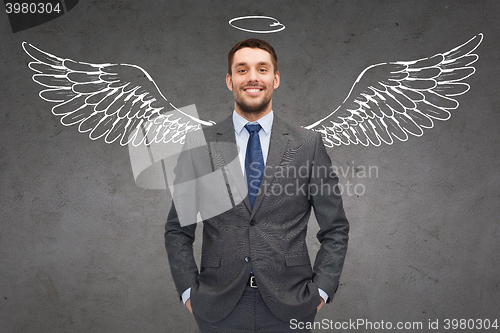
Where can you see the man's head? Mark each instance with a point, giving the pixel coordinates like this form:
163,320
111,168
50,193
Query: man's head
252,43
252,77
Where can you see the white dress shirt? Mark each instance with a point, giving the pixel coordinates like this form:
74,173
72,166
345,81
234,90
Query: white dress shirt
242,135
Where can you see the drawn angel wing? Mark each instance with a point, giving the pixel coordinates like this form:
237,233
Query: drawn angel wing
116,102
392,100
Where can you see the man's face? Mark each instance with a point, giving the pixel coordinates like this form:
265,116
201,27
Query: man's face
252,81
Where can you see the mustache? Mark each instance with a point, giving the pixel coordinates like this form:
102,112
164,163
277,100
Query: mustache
254,86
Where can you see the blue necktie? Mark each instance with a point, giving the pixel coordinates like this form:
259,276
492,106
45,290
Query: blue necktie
254,162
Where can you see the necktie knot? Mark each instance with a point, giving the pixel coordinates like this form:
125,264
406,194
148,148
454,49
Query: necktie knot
253,128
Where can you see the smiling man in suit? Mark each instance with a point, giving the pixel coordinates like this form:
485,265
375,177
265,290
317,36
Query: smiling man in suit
255,273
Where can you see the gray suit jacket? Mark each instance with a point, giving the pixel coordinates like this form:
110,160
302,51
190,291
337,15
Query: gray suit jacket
271,237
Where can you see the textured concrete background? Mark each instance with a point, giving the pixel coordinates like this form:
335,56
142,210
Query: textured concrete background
81,246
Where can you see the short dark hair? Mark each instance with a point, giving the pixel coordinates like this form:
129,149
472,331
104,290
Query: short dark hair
253,43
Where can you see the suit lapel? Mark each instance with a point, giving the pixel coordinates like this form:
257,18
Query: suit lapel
226,144
277,148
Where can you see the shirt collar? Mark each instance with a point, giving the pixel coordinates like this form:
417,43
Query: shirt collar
265,122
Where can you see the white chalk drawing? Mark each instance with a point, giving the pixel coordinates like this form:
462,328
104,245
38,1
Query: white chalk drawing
387,101
116,102
274,24
122,103
392,100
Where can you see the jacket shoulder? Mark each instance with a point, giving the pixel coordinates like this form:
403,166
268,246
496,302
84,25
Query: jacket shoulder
209,133
297,132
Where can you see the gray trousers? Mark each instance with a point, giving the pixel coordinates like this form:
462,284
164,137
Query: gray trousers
250,315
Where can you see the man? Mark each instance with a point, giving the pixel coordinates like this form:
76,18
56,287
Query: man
255,273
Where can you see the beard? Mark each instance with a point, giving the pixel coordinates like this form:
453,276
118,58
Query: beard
252,108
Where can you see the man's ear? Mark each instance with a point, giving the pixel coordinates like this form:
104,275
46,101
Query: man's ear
229,82
276,80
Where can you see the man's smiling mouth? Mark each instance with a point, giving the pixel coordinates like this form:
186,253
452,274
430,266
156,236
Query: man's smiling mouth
252,90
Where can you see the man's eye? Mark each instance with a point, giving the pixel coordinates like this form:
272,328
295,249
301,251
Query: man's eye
263,70
241,71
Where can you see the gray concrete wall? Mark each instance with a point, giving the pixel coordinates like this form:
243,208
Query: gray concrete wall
81,246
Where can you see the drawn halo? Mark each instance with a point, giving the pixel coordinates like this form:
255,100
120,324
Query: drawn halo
275,23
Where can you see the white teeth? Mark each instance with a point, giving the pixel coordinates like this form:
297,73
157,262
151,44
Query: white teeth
253,90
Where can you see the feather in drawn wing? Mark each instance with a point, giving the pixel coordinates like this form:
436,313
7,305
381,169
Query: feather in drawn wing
116,102
393,100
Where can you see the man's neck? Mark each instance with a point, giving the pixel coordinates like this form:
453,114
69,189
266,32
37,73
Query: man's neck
251,117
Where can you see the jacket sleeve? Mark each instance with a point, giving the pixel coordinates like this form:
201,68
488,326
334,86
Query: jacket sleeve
179,245
333,225
179,237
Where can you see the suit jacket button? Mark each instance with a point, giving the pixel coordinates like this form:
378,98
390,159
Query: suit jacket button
247,259
252,222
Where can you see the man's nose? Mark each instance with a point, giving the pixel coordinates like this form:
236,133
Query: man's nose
253,75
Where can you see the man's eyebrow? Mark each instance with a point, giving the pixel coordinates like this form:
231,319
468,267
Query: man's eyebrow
262,63
240,64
